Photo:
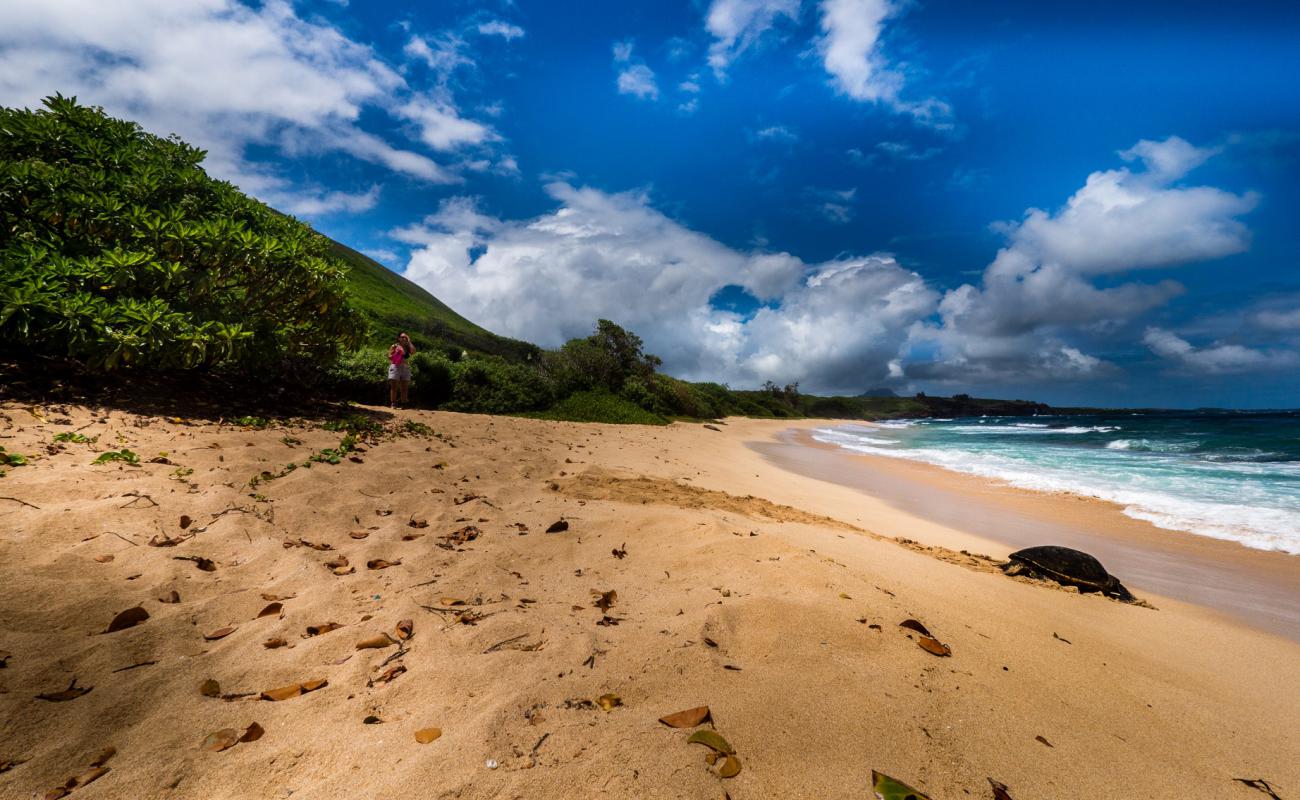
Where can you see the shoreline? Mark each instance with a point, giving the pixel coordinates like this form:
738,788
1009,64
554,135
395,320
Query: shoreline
1257,587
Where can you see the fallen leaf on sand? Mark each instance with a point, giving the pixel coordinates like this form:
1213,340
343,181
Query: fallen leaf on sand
86,777
999,790
294,689
171,597
337,563
730,768
127,619
426,735
418,523
317,630
210,688
322,546
620,551
405,629
344,570
1041,740
165,541
915,625
604,600
71,693
219,633
252,733
1261,785
608,702
887,788
379,563
359,534
205,564
376,642
388,674
220,740
686,719
271,598
104,559
451,601
186,521
411,537
5,655
558,527
103,757
271,610
713,740
371,720
271,644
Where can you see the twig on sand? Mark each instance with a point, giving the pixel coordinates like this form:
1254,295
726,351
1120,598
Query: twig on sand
1260,784
22,502
545,736
133,666
123,538
503,643
222,513
137,497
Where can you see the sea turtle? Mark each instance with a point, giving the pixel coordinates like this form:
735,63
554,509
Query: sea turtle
1068,567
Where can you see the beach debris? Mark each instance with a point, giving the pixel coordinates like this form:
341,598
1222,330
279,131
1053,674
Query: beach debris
999,790
371,720
271,644
426,735
340,566
558,527
77,781
5,655
317,630
271,609
1060,638
171,597
127,619
1042,740
220,633
294,689
227,738
689,718
71,693
210,688
7,764
927,642
491,763
376,642
405,629
608,702
205,564
604,600
466,534
418,523
1261,785
722,755
711,739
620,552
163,540
388,674
379,563
273,598
358,534
105,558
1067,567
713,428
887,788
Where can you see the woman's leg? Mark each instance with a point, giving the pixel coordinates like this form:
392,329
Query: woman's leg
406,391
392,393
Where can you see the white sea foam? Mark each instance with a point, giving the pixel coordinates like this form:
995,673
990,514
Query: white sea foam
1218,500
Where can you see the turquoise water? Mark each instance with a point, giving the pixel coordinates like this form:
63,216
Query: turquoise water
1232,476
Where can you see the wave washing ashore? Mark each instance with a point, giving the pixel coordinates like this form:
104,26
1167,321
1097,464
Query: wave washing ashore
1233,476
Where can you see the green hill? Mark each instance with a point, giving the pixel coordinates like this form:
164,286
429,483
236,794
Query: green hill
392,303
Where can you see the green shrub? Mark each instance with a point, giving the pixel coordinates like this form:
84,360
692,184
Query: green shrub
119,250
123,455
496,386
358,374
431,379
601,407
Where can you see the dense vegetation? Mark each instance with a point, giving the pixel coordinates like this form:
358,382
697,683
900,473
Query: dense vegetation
118,252
117,249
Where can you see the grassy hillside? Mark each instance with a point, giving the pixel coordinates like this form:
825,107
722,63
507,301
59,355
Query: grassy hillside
392,303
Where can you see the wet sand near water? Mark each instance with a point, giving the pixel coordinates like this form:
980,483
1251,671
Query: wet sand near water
1258,587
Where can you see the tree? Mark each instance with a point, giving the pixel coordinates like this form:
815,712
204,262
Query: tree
117,249
608,359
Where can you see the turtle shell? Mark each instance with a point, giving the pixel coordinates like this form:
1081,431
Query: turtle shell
1070,567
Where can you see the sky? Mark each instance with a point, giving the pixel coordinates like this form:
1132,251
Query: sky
1075,202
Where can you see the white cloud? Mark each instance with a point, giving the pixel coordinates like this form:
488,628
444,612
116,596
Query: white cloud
906,152
330,203
1040,285
622,52
441,125
850,50
777,133
1282,320
1218,358
689,86
225,76
638,80
833,326
737,25
503,29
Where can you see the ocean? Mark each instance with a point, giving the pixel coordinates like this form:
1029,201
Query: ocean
1227,475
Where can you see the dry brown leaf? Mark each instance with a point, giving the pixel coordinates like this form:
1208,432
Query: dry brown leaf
604,600
730,768
316,545
165,541
220,633
405,629
558,527
186,521
271,609
252,733
171,597
127,619
210,688
294,689
686,719
933,646
271,644
915,625
426,735
92,774
220,740
451,601
335,563
999,790
271,598
103,757
358,534
379,563
205,564
317,630
376,642
344,570
608,702
411,537
418,523
388,674
1043,741
71,693
105,558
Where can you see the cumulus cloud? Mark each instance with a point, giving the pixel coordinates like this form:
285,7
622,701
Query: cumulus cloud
1218,358
776,133
497,27
835,325
638,80
1041,284
1279,320
736,25
330,203
230,77
850,51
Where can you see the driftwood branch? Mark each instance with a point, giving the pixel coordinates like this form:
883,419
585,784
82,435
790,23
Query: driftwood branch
21,502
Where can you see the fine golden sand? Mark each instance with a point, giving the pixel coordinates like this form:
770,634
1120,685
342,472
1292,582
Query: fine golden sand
771,597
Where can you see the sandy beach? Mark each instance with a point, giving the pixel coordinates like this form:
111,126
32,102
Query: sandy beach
698,566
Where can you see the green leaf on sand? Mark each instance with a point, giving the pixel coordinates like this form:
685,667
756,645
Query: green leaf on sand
886,788
711,739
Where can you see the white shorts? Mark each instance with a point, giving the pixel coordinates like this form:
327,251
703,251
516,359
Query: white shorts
399,372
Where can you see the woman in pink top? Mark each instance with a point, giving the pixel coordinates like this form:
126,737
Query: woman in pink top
399,369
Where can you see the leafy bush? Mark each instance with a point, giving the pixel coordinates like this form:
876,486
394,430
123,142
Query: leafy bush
600,406
359,374
496,386
606,360
119,250
431,379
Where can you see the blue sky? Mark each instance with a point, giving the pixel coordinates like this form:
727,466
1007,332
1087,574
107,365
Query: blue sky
1076,202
